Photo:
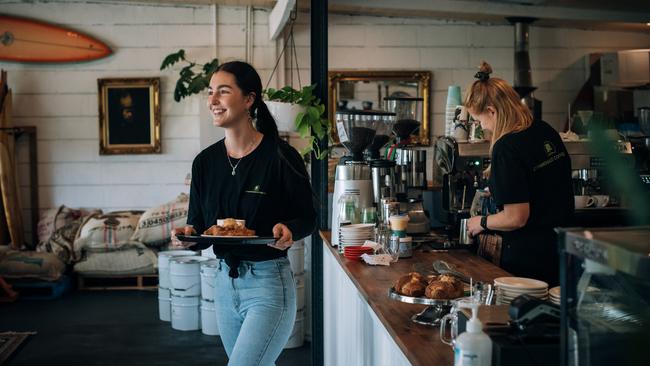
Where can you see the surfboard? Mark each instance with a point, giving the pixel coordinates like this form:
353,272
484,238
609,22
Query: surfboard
27,40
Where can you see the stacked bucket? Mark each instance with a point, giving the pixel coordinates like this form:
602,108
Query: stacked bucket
296,256
186,291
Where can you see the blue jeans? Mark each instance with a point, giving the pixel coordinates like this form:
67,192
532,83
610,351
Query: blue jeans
256,311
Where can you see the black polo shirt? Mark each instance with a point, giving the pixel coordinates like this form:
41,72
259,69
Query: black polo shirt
533,166
271,186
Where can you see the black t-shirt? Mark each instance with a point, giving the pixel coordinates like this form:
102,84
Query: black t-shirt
533,166
271,186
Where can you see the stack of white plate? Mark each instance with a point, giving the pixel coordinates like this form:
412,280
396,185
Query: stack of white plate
554,295
510,287
356,234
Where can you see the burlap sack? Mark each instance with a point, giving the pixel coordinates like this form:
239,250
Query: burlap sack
156,224
53,219
122,262
61,243
29,264
107,232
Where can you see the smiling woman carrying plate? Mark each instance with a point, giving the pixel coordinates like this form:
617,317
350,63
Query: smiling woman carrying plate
251,175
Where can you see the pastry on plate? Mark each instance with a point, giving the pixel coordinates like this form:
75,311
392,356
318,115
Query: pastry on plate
229,227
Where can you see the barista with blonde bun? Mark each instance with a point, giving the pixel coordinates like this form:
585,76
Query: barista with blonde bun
529,179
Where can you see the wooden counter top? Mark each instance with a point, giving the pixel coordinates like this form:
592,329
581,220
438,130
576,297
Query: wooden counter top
420,344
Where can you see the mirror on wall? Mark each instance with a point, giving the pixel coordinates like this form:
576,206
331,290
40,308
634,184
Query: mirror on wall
366,90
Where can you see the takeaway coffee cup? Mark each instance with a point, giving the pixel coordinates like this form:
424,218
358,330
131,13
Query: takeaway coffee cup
583,201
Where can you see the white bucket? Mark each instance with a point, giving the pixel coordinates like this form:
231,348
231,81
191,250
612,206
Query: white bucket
185,313
296,255
209,270
164,304
208,318
298,333
184,275
163,264
300,290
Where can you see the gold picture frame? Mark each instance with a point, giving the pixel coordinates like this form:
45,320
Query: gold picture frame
420,81
129,116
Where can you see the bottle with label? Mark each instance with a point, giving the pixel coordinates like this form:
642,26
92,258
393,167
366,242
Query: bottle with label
473,347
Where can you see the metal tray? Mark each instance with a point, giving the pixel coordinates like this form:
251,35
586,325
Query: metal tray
417,300
227,240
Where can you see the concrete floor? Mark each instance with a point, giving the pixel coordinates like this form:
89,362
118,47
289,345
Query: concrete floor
113,328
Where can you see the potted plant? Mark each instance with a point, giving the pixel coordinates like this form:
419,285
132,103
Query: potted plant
193,78
300,111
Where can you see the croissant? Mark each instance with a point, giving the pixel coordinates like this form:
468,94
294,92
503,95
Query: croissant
413,288
440,290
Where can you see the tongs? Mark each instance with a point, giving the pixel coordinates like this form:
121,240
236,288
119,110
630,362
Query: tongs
443,267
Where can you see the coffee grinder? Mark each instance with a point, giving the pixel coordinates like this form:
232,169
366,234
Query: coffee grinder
383,170
356,130
410,168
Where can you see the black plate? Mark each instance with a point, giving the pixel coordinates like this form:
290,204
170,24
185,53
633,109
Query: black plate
260,240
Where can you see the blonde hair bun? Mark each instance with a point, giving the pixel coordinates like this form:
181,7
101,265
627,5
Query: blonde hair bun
485,67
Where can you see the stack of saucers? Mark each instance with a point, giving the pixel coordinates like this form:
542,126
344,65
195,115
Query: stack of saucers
355,252
554,295
510,287
356,234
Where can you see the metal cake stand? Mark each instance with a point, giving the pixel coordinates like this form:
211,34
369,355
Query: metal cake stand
431,315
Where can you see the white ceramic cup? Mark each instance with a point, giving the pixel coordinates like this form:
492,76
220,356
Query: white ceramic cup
583,201
601,200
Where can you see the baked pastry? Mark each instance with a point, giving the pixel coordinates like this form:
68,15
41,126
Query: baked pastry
439,290
413,288
444,287
230,227
411,284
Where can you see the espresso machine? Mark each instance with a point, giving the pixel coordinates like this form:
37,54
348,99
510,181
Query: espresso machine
410,163
356,130
462,166
382,170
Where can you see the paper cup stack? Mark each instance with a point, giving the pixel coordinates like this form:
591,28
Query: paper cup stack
508,288
356,234
554,295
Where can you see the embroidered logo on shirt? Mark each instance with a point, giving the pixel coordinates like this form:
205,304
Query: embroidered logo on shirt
256,190
549,148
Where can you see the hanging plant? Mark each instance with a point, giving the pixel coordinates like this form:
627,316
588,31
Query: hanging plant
194,77
307,118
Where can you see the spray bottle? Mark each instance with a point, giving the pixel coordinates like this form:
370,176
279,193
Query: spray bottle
473,347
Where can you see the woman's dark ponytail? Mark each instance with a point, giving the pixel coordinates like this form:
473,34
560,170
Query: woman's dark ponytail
248,80
265,123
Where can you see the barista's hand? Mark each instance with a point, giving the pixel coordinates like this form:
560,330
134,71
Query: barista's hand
474,226
177,244
284,237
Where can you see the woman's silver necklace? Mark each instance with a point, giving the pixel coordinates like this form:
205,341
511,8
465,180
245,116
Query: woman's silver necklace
234,167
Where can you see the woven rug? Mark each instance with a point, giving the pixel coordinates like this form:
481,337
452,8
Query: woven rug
9,343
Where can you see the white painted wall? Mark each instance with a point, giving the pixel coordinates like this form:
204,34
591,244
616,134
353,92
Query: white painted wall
453,50
61,100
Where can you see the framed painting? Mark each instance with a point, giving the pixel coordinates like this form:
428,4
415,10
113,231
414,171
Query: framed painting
129,116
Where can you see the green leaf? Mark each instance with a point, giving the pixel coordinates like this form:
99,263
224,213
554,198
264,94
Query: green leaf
304,130
211,67
180,91
187,72
173,58
197,84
